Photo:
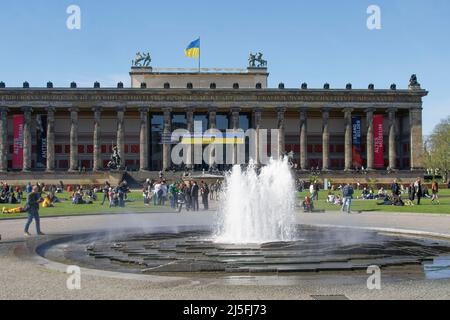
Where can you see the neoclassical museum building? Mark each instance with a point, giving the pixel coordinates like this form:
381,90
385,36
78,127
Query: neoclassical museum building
53,129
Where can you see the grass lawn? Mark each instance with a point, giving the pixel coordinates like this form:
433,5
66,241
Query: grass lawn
135,203
371,205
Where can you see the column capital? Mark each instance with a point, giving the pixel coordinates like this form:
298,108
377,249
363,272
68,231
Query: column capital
27,109
121,109
348,110
74,109
418,108
235,110
212,109
189,109
3,111
144,109
304,110
281,109
257,110
97,109
167,110
326,109
50,109
391,110
370,110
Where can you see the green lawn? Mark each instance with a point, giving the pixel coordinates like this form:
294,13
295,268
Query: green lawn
371,205
135,203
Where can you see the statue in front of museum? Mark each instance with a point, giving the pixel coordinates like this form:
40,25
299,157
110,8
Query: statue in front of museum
142,60
257,61
114,163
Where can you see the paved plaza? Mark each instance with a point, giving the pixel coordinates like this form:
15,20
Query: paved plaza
26,276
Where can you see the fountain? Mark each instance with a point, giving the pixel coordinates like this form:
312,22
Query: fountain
258,208
256,233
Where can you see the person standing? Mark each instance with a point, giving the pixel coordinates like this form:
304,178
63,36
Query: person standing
311,191
32,206
395,189
194,196
187,195
106,192
205,195
347,192
418,190
157,194
316,190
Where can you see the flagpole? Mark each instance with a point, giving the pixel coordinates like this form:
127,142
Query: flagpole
199,55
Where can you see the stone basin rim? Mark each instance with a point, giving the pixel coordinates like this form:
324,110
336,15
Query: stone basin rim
40,248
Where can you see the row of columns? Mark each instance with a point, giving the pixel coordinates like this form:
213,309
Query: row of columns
73,158
415,123
416,137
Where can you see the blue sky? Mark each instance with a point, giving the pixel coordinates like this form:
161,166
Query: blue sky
304,41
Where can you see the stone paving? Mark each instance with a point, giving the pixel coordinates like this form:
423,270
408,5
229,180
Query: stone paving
23,276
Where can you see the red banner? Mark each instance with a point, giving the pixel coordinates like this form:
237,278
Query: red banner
17,158
378,151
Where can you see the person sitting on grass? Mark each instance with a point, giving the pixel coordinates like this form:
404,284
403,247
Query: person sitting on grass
338,200
47,202
381,193
308,205
331,197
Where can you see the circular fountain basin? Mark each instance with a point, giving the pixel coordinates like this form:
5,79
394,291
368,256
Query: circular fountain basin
314,249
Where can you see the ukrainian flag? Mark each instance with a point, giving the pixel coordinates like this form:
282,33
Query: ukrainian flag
193,50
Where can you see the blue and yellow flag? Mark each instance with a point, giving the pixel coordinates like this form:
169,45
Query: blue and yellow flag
193,50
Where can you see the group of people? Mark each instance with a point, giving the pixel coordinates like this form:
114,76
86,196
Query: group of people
180,194
115,196
9,194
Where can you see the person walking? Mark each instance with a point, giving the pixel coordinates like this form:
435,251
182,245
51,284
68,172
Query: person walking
347,192
434,192
194,196
32,206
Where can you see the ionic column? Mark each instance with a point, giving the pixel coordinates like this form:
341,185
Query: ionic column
212,115
143,139
303,138
348,138
121,135
27,139
73,166
392,139
235,126
281,132
97,160
167,130
415,120
50,139
3,139
370,141
257,113
190,128
325,139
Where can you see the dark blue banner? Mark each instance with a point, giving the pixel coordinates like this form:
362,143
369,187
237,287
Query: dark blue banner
356,140
41,143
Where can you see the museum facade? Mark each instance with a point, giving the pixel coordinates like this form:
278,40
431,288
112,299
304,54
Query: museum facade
75,129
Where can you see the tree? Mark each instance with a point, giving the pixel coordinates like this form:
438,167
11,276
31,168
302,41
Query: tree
437,148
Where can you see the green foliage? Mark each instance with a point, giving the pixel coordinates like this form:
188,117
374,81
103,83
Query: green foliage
437,148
